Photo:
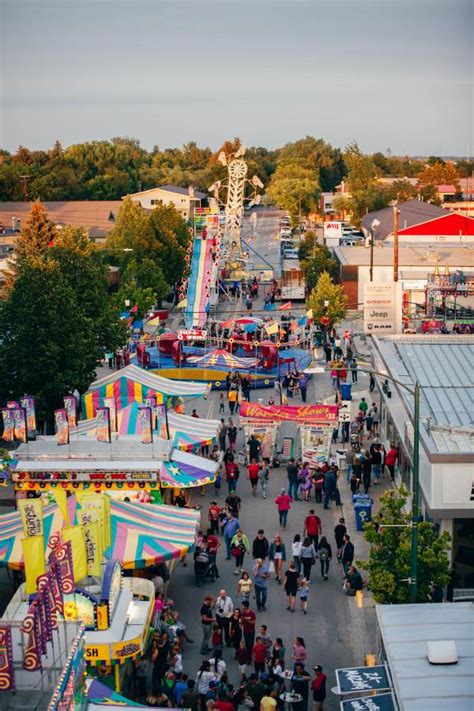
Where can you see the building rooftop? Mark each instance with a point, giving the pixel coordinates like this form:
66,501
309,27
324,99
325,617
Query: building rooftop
412,212
421,256
96,216
172,189
419,685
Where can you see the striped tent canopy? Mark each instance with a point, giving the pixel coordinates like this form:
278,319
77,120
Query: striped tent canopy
186,471
134,384
142,534
221,359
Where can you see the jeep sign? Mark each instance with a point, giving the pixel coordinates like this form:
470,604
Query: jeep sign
382,307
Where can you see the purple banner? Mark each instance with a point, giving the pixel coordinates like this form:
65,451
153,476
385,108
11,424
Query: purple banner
7,672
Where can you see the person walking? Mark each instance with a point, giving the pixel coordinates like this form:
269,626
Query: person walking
391,460
325,556
376,457
347,553
263,477
339,532
223,611
305,482
318,481
244,587
330,488
231,434
239,546
296,552
213,516
261,573
312,527
303,385
304,593
299,653
277,555
260,545
232,398
363,406
222,435
318,688
292,472
353,366
374,413
367,471
253,471
308,558
230,528
232,474
235,626
283,502
207,620
248,622
291,586
254,447
203,679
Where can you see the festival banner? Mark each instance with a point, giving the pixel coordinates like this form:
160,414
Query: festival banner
8,425
31,511
93,548
12,404
55,570
62,427
96,507
65,573
46,584
60,497
29,404
70,405
7,672
75,535
112,405
19,416
144,417
272,328
31,656
102,432
305,414
33,557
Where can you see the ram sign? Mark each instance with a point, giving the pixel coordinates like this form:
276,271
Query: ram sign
382,307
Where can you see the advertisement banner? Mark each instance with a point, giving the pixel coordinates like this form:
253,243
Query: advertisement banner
93,548
62,427
19,416
70,405
29,404
33,558
332,233
144,417
8,425
382,307
60,496
75,535
31,656
31,512
102,432
7,672
306,414
65,573
112,405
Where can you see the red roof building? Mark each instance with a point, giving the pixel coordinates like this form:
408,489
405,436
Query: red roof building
451,227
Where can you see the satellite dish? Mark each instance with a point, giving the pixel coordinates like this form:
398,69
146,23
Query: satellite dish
240,152
257,182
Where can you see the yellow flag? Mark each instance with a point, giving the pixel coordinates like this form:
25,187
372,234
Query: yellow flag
272,328
93,548
31,511
60,497
101,504
33,557
309,313
75,534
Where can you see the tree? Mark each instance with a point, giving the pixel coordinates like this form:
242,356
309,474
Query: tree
362,170
401,190
343,204
390,550
294,188
327,291
319,261
171,237
440,174
132,230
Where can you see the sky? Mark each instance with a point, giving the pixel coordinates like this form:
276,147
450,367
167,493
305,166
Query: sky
390,74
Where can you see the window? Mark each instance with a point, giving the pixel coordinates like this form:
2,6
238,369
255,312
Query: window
183,199
153,201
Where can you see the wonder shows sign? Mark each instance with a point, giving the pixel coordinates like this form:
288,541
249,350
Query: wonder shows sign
382,307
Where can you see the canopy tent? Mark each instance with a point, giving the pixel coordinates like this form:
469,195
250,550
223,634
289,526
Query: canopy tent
133,384
142,534
220,359
185,471
243,320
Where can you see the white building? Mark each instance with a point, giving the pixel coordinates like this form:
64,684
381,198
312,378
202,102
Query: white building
183,199
443,366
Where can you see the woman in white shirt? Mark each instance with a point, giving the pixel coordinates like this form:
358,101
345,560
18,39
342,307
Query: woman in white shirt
203,678
218,667
296,552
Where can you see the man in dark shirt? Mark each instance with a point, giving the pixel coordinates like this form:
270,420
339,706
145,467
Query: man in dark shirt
292,471
260,546
353,581
233,503
300,685
248,622
339,532
207,618
190,699
347,552
254,448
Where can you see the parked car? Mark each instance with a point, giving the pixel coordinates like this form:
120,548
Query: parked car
351,242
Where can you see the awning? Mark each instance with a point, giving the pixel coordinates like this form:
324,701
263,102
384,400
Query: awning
221,359
186,471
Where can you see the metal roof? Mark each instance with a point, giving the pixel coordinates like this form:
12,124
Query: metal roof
419,685
411,212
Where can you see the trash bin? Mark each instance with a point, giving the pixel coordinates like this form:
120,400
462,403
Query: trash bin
356,498
346,391
318,338
363,513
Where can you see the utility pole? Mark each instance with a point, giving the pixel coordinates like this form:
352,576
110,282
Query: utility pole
413,585
396,213
25,182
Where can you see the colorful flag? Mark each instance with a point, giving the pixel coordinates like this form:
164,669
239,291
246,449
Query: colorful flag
19,416
102,432
302,321
12,404
93,548
60,497
8,425
144,417
65,574
33,558
29,404
75,535
70,405
62,427
111,404
31,511
31,656
294,325
309,313
94,508
272,328
285,307
55,571
7,672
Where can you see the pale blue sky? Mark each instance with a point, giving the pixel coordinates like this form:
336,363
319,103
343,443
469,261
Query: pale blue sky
387,73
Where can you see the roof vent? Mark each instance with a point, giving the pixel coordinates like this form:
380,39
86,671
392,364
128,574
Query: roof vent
442,652
111,216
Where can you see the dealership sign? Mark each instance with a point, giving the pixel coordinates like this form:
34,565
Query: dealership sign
382,307
332,232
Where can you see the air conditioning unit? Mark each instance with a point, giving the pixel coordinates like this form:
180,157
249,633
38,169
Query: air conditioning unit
442,652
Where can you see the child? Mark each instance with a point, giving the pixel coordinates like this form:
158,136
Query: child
304,592
243,658
216,640
244,587
221,404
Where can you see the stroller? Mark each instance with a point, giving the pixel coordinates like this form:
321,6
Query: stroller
205,567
